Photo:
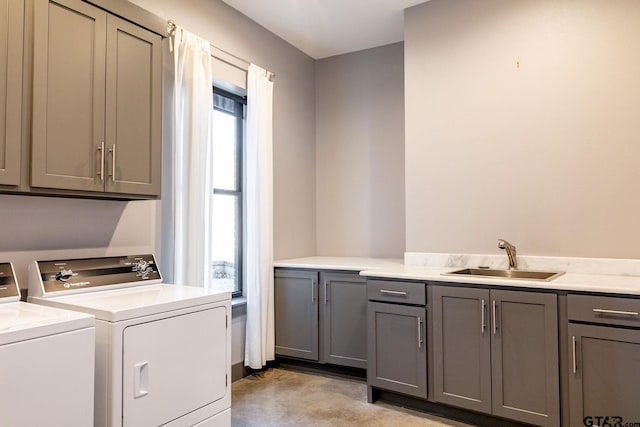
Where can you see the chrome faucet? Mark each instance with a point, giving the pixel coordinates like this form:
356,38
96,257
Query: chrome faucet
511,253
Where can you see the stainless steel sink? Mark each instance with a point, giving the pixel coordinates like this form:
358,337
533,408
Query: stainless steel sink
507,274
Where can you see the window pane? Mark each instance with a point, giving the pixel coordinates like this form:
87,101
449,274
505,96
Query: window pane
225,263
222,102
225,150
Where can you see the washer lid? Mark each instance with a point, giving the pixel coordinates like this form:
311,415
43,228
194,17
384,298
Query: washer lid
20,321
127,303
9,290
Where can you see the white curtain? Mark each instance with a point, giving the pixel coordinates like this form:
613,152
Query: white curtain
192,172
260,338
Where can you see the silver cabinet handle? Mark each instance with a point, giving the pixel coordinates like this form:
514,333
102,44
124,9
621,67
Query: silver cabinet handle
326,295
112,150
101,165
419,332
387,292
615,312
484,322
573,349
313,291
495,319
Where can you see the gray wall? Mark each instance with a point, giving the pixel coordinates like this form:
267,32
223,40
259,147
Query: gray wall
53,228
293,110
360,153
522,123
40,228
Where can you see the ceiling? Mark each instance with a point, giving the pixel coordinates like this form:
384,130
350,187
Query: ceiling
322,28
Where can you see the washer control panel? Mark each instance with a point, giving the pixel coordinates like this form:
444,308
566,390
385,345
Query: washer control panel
8,283
75,274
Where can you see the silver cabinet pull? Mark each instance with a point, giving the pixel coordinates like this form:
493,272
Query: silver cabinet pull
615,312
573,350
419,332
484,322
112,150
313,291
101,165
326,294
495,319
387,292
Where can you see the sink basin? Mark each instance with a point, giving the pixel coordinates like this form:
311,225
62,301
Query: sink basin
506,274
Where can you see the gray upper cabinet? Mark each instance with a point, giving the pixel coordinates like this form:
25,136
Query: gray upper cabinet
96,101
344,319
11,48
68,95
496,352
133,109
296,313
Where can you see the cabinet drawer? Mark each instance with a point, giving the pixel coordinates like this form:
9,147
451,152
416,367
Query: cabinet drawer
607,310
398,292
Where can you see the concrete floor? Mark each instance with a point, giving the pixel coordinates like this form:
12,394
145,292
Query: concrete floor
284,397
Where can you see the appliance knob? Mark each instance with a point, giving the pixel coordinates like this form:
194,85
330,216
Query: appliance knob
143,268
64,275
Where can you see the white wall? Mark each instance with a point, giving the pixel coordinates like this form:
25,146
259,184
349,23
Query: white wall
522,123
360,153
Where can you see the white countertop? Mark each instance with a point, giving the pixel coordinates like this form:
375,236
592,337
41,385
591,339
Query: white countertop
629,285
395,269
338,263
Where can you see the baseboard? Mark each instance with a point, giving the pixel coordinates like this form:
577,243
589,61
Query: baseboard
239,371
439,409
327,369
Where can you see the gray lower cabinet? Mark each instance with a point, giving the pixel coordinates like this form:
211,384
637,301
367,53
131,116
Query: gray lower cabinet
604,380
344,319
296,313
321,316
397,348
11,48
462,347
496,351
604,374
96,101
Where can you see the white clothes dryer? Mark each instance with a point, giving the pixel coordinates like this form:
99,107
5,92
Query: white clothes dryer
162,351
46,361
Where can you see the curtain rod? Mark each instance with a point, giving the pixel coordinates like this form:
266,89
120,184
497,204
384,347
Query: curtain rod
171,30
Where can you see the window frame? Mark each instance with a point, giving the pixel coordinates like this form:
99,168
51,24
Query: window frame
241,102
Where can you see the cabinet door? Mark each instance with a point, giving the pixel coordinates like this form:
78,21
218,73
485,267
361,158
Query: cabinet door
296,313
173,366
12,23
604,379
397,348
344,319
462,347
524,349
68,95
133,109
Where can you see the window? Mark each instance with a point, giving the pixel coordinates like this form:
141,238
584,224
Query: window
227,193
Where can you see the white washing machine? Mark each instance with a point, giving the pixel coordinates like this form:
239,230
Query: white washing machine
162,351
46,362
